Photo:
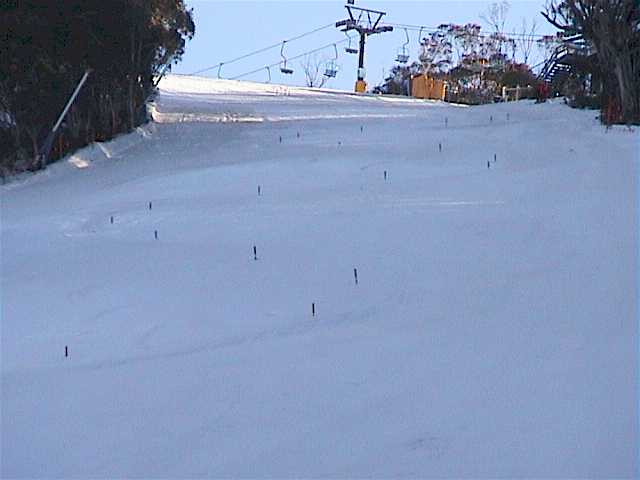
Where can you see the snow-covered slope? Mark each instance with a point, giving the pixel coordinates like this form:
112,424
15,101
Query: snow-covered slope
492,332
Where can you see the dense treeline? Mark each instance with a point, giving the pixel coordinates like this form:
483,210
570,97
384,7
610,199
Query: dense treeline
47,45
612,29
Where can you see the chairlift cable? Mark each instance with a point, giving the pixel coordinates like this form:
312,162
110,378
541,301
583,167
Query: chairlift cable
435,29
290,58
262,50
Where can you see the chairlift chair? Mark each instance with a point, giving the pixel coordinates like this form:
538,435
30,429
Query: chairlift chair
421,46
269,72
348,48
284,69
332,68
402,56
403,52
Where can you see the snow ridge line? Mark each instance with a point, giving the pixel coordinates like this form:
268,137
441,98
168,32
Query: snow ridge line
229,117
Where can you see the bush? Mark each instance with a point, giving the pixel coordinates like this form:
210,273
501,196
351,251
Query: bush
585,100
127,45
513,78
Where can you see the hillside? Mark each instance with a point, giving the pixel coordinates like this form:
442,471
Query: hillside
492,332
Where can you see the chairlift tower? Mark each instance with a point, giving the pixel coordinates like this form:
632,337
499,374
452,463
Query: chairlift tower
365,22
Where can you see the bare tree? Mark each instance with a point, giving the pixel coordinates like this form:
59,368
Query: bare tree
496,15
527,39
313,66
612,28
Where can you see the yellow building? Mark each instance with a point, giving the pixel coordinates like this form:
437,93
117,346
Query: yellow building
423,86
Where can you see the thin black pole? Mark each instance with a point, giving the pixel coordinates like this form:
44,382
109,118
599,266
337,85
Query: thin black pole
363,39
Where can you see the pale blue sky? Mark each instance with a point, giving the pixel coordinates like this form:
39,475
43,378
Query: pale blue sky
228,29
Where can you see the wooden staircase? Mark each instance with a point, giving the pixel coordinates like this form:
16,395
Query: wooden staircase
573,55
557,69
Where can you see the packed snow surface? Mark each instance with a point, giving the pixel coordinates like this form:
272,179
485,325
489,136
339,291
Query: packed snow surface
492,332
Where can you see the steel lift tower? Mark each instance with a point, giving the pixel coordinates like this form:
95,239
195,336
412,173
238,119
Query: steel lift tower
365,22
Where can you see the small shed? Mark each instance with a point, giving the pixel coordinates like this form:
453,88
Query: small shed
424,86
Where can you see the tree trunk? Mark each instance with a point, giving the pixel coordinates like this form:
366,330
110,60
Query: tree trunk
131,80
114,121
628,91
131,121
33,136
